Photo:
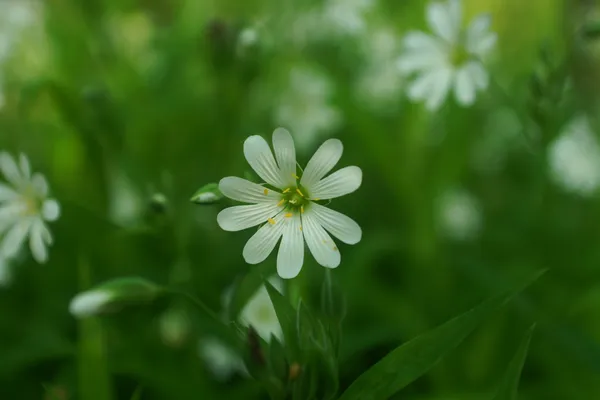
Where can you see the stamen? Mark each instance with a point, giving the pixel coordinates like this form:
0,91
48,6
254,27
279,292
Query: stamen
288,215
295,176
271,221
287,190
335,248
299,192
316,199
280,202
301,209
300,227
266,191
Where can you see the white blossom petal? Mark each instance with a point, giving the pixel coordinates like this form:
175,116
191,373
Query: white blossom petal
323,161
464,87
420,61
37,243
262,243
25,167
9,169
339,225
7,193
478,74
441,22
259,156
50,210
291,251
245,191
479,40
10,213
285,153
440,88
320,244
89,303
40,185
420,87
241,217
14,238
422,42
340,183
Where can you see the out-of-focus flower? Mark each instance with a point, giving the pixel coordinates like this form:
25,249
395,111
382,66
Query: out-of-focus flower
288,207
449,60
24,209
221,360
132,35
126,203
259,313
381,82
459,215
304,107
574,158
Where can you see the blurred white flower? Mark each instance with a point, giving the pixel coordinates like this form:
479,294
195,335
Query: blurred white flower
221,360
574,158
449,60
259,313
287,208
380,82
90,303
24,209
304,106
459,215
126,204
5,272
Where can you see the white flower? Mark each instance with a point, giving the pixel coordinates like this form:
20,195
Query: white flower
24,209
90,303
289,208
459,215
380,82
260,313
304,107
221,360
450,59
574,158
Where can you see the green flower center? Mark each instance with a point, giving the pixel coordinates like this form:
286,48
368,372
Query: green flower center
459,56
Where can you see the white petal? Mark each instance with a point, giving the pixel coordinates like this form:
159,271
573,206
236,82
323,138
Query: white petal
422,42
338,224
478,74
341,182
422,86
259,156
40,184
479,39
262,243
441,21
242,217
7,193
89,303
321,245
285,153
455,12
464,87
25,166
419,61
9,169
50,210
37,243
10,213
291,251
440,88
248,192
324,159
12,242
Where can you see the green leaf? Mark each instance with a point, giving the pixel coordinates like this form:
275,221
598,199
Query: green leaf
413,359
509,385
286,316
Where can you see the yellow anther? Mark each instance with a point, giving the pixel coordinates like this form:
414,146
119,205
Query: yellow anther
316,199
288,215
295,176
266,191
280,202
301,209
287,190
271,221
335,248
300,227
299,192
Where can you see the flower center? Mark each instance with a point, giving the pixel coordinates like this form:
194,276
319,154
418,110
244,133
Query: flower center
295,198
459,56
31,205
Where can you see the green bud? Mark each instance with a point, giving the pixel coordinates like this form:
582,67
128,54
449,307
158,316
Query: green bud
159,203
208,194
114,295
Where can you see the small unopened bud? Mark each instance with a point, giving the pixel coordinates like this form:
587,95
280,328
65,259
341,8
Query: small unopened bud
295,370
113,295
159,203
208,194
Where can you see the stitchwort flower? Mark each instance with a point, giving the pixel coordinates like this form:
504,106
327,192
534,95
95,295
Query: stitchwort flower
24,209
450,59
287,204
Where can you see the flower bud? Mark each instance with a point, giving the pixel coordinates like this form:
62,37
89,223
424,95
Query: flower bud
208,194
113,295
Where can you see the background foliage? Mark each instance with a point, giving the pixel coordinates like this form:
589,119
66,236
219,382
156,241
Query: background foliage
129,106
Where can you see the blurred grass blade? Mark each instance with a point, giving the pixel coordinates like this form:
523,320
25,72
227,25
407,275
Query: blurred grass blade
287,319
413,359
510,382
137,395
